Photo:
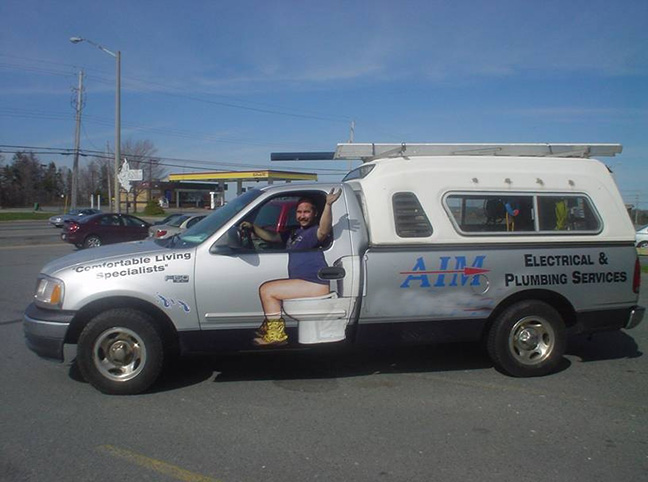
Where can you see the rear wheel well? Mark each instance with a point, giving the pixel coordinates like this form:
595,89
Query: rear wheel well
556,300
88,312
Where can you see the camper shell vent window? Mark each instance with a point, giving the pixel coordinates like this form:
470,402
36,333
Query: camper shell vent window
359,173
510,213
409,218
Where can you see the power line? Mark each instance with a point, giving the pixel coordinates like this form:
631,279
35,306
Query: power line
230,102
38,70
103,121
166,161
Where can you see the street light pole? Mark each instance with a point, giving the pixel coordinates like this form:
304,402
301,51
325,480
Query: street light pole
117,130
76,40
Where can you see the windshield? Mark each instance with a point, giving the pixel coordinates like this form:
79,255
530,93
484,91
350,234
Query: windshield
212,223
178,221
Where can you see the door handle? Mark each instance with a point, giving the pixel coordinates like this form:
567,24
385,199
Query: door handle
331,273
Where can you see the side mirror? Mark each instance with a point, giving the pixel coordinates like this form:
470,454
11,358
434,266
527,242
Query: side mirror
233,238
228,244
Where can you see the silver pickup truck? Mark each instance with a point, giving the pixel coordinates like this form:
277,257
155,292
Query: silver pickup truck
508,250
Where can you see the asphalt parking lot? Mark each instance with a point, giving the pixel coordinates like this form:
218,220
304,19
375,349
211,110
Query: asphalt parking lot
424,413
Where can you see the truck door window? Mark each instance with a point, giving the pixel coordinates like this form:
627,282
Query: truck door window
409,218
278,215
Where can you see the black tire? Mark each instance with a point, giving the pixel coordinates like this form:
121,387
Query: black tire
120,352
92,241
528,339
643,244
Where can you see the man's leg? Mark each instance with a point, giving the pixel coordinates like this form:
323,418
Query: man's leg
272,294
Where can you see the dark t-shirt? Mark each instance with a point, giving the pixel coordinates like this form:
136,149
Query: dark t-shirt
304,259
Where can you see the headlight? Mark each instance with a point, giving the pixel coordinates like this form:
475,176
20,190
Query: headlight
49,292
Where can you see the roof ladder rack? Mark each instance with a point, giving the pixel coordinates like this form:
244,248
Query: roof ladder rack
371,151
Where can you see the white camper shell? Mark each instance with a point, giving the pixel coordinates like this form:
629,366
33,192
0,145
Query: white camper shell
434,178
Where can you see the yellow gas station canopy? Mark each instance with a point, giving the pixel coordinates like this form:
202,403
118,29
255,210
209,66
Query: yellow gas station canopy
233,176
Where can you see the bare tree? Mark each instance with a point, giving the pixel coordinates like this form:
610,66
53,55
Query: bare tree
91,182
140,154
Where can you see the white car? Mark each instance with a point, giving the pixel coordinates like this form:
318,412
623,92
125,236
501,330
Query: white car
168,219
59,220
175,226
641,237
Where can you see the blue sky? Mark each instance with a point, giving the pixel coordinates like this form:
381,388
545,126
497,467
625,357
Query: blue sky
224,84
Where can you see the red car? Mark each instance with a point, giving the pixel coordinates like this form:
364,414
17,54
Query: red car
99,229
277,216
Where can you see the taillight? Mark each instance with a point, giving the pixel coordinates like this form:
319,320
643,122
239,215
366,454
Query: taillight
159,233
73,227
636,280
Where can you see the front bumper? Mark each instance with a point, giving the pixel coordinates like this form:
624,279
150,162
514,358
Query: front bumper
45,331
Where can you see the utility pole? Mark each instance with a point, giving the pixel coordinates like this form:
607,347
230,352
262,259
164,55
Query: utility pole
111,206
351,137
636,210
77,142
150,178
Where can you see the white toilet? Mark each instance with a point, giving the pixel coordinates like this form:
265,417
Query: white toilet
322,319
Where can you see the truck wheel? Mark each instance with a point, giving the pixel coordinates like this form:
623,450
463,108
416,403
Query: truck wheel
120,352
527,340
92,241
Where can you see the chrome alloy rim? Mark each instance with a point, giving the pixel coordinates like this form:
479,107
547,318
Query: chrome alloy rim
94,242
532,340
119,354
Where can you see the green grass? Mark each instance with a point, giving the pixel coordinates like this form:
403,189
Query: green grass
644,269
21,216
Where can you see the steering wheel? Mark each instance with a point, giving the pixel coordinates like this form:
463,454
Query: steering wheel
245,237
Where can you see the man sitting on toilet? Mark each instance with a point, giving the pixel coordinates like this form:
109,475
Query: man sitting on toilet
304,262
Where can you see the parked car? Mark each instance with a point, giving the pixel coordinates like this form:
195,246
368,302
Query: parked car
175,226
99,229
59,220
168,219
641,237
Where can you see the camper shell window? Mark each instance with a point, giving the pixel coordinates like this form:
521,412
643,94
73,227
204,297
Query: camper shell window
409,218
520,213
568,213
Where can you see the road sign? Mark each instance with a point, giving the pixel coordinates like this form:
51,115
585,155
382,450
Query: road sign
126,175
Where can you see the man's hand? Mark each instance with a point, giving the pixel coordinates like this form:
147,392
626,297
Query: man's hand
333,196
